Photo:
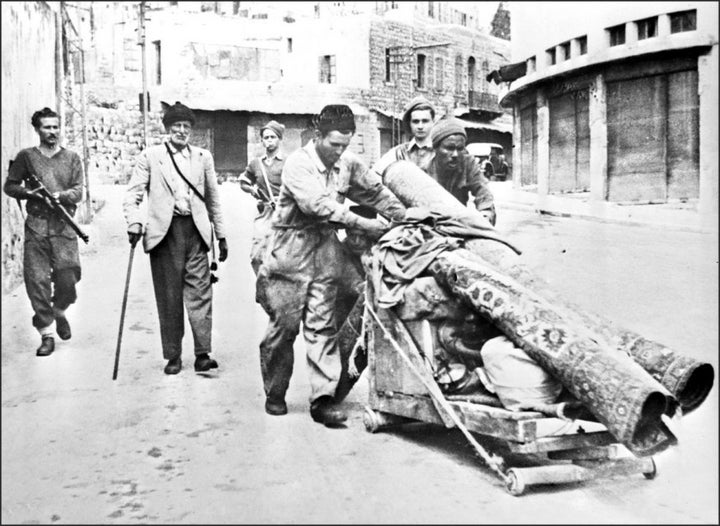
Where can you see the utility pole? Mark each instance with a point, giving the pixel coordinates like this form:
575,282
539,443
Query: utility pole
83,114
143,54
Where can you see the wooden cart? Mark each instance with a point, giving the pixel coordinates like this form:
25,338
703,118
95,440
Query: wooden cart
402,390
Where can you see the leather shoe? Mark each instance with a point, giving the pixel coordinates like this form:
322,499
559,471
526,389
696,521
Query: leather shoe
46,347
324,411
173,366
63,328
275,407
204,363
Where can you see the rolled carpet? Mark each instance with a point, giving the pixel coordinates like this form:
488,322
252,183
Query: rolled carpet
628,391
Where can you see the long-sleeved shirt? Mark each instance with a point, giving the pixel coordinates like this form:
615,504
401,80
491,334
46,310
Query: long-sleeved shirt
313,195
181,189
273,169
61,173
468,177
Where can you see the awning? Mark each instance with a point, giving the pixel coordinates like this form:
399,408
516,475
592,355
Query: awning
501,127
270,98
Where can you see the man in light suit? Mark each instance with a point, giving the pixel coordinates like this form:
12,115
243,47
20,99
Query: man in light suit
178,234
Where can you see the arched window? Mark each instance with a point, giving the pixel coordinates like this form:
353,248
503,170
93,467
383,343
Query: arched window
484,72
471,74
458,74
420,70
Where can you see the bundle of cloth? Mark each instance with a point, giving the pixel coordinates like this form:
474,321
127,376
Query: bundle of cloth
624,380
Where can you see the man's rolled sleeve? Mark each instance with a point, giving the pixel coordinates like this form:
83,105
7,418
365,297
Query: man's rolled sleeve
367,188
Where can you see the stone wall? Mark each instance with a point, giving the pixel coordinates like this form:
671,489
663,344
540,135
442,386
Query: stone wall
28,37
114,136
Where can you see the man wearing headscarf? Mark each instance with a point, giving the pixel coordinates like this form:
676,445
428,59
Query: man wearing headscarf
297,282
418,120
456,170
182,211
261,179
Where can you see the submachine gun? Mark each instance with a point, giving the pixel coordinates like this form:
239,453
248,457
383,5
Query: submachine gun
34,183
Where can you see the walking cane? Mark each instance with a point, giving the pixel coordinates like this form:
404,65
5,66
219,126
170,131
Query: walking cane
122,311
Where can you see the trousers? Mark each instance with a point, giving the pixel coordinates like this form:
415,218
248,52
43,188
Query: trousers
298,284
51,269
181,278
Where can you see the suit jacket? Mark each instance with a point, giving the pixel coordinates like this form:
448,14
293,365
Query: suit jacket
155,174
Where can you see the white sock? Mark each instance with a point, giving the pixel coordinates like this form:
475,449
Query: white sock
58,313
47,331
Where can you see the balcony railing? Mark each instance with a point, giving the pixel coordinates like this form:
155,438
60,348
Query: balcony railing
483,100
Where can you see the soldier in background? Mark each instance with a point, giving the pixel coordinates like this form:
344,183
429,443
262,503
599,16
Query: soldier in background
261,179
418,119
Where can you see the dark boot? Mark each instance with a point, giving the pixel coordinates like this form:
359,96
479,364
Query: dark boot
63,328
275,406
46,347
173,366
324,411
203,362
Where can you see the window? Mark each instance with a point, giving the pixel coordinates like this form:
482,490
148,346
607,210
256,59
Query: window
616,35
236,7
550,53
439,72
289,45
431,9
420,70
565,48
582,45
459,74
463,19
683,21
158,64
390,65
471,74
327,69
647,28
531,66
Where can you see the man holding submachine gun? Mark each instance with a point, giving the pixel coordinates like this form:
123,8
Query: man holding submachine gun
49,177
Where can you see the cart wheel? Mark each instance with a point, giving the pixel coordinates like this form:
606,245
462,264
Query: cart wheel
515,484
371,420
651,474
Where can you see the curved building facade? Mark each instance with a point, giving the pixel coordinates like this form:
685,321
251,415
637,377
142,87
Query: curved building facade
619,100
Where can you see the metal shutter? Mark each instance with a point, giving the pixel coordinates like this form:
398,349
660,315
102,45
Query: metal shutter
636,127
683,148
528,146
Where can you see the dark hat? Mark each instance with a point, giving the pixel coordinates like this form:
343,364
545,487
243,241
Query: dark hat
418,102
275,127
446,127
335,117
178,112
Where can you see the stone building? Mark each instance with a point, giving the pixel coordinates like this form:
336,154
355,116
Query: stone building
620,102
239,64
29,36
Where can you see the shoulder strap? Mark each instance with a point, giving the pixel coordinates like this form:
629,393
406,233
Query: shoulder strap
192,186
267,183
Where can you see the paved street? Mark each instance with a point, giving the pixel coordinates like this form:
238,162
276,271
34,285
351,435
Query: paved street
150,448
